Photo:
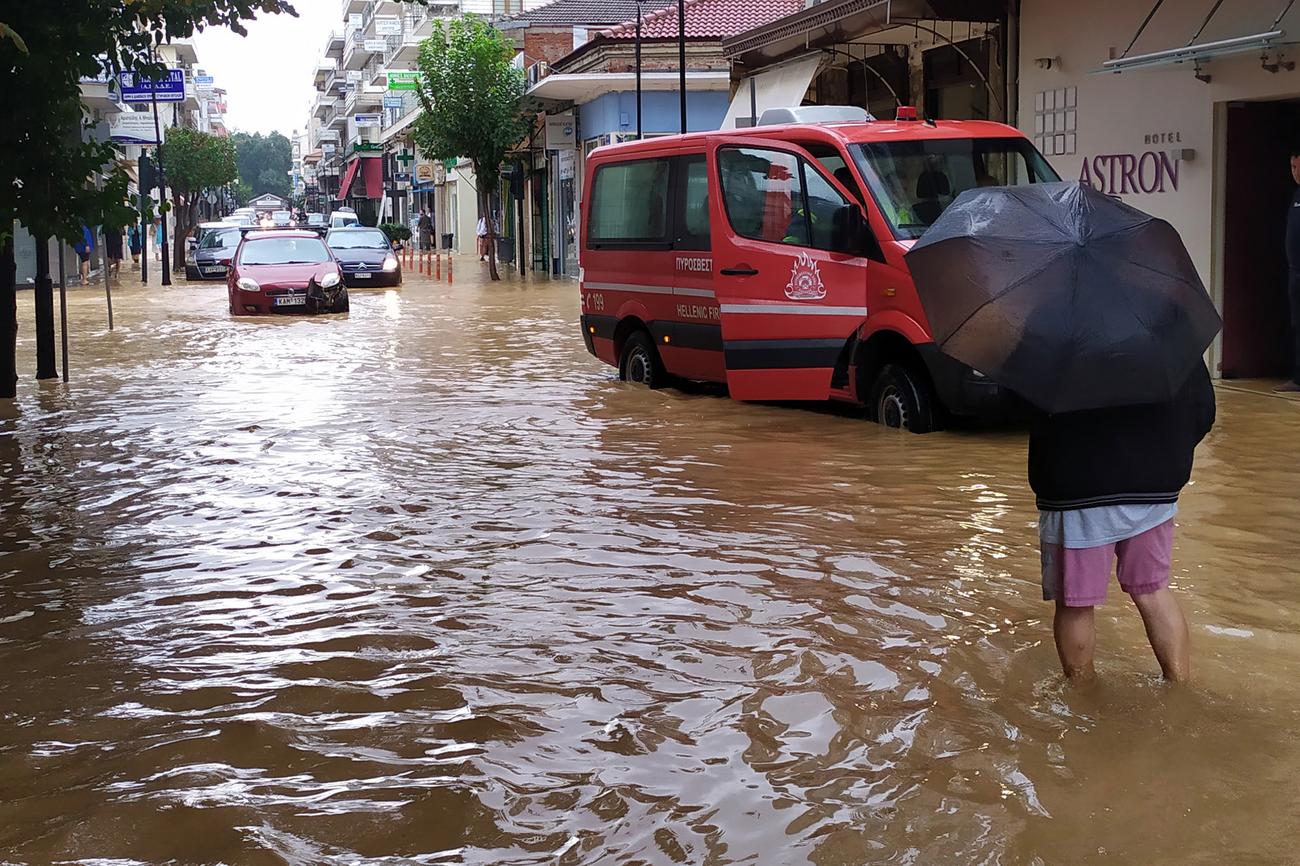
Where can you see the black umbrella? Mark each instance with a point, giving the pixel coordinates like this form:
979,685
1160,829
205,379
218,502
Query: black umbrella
1068,297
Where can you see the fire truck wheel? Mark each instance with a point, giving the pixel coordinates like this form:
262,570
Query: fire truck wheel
901,398
640,363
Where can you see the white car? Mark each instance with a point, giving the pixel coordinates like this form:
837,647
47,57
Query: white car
344,217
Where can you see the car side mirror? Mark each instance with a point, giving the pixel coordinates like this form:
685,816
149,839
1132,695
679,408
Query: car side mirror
852,234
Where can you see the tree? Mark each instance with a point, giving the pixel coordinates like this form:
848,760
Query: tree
241,192
196,163
264,162
471,96
44,162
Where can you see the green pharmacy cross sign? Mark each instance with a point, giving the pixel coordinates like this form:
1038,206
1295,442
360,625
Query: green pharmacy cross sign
404,80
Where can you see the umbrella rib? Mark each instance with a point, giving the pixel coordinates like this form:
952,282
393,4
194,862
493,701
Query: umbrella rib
1035,272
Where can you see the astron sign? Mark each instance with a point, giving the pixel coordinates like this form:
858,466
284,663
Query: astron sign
1154,171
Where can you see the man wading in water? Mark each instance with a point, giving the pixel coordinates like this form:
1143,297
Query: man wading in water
1107,482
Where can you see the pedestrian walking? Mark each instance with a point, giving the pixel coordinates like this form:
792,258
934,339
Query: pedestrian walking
157,238
1107,483
84,248
113,252
134,240
484,241
425,226
1293,273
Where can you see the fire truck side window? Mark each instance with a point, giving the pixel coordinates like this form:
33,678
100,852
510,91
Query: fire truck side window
693,203
763,194
629,205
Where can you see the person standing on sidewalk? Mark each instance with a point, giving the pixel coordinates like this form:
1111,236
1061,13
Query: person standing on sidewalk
1107,483
425,226
112,253
84,248
157,239
1292,385
133,240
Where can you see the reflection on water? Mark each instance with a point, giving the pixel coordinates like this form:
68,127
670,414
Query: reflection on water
426,585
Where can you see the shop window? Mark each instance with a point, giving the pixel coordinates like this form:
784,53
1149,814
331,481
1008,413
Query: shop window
629,205
1056,121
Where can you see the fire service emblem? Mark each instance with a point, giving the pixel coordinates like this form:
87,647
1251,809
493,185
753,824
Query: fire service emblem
805,280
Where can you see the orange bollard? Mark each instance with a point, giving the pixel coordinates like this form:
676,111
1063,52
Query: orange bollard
449,280
437,258
424,263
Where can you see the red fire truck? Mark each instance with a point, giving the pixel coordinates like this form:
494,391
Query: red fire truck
771,258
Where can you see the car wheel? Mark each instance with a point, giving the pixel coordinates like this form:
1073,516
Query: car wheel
192,273
901,398
640,362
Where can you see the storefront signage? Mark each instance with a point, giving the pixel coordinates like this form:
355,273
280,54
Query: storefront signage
134,127
355,21
203,85
424,172
560,129
1153,171
137,88
327,135
354,76
376,46
388,25
368,120
565,164
393,102
403,81
327,149
401,177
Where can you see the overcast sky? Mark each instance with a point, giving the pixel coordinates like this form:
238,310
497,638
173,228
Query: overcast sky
268,73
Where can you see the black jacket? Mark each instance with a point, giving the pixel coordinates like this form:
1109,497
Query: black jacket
1129,455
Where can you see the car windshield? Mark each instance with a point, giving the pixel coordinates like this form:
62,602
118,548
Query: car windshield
914,181
284,251
219,239
356,240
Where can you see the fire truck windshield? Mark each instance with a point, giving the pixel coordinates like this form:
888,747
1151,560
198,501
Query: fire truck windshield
914,181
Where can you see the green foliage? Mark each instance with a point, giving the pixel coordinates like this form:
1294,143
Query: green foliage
195,161
264,162
242,193
471,96
43,159
396,232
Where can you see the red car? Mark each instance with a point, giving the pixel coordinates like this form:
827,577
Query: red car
285,271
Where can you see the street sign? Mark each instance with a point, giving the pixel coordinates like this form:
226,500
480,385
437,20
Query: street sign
354,76
393,102
327,135
327,149
403,80
376,46
388,25
134,127
137,88
560,132
366,120
203,85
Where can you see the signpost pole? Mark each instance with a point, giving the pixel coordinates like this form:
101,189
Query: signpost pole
162,185
681,58
638,70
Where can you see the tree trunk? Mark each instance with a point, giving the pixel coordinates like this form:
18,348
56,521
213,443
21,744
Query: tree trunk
184,222
8,316
485,210
44,300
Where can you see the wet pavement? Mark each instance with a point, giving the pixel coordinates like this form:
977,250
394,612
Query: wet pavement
426,584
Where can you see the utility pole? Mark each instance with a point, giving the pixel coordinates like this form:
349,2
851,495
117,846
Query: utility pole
162,181
681,57
638,70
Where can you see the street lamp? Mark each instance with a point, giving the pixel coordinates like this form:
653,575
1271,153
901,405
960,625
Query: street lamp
681,58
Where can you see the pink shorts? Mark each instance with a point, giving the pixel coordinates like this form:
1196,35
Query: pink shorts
1079,576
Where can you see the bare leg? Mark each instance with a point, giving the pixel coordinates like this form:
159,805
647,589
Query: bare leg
1076,640
1167,630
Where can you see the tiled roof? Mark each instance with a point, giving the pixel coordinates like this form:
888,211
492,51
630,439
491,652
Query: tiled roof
707,19
570,12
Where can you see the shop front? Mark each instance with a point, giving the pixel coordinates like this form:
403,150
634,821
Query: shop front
1189,117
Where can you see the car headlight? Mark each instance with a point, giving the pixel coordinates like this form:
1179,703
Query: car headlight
248,285
390,264
329,281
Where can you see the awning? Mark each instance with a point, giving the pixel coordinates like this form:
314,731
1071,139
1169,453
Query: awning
373,173
779,87
348,174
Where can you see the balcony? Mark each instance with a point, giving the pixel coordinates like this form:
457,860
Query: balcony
324,69
351,7
357,53
334,46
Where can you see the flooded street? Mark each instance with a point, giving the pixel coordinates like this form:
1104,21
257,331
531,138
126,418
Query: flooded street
426,584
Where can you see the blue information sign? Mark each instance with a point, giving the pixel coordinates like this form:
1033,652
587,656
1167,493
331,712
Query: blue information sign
137,88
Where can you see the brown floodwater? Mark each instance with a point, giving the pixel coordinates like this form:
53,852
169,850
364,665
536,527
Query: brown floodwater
426,584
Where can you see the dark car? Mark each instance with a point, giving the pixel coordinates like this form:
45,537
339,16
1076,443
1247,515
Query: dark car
365,256
285,271
215,252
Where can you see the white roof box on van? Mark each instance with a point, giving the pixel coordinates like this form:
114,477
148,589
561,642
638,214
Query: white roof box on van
815,114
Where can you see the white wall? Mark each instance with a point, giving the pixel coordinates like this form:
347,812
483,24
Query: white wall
1149,111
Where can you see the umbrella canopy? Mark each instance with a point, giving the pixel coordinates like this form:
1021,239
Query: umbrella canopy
1068,297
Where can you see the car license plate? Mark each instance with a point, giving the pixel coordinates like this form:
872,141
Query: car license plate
361,276
291,301
214,270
